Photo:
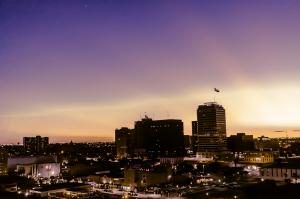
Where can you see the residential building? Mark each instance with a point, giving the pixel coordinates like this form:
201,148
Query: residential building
35,145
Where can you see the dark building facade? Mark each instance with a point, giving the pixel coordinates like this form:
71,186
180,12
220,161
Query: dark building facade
3,161
159,138
124,140
188,141
267,144
240,142
35,144
209,131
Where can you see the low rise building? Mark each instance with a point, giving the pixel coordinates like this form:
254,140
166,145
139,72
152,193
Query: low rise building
63,190
281,172
258,157
106,177
264,143
44,170
170,160
34,166
142,177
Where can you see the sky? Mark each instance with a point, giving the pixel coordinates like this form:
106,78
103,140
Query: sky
78,69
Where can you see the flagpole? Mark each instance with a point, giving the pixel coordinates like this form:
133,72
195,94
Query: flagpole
215,91
214,95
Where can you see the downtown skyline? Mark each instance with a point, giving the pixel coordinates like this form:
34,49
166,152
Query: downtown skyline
87,68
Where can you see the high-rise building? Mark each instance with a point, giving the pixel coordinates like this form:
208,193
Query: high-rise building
3,161
209,131
124,139
159,138
35,144
240,142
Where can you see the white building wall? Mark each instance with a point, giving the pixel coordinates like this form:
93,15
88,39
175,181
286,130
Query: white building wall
12,162
280,174
45,170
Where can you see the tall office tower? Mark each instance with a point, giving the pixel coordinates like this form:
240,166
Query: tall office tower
159,138
209,131
124,139
3,161
35,144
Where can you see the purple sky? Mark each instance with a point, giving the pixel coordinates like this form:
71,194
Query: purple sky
84,68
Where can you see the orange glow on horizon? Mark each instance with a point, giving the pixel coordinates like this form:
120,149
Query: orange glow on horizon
257,111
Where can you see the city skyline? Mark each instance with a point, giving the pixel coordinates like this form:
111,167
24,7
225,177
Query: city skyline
87,68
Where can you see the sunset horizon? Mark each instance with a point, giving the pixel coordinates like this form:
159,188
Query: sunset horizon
88,68
135,99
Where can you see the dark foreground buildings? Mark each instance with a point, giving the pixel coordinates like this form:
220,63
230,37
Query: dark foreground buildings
151,139
209,131
240,143
3,161
124,139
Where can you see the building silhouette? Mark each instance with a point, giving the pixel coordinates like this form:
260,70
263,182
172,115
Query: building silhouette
3,161
152,139
188,142
35,145
264,143
124,140
209,131
240,142
159,138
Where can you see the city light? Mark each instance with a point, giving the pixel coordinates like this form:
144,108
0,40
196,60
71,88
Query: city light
149,99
